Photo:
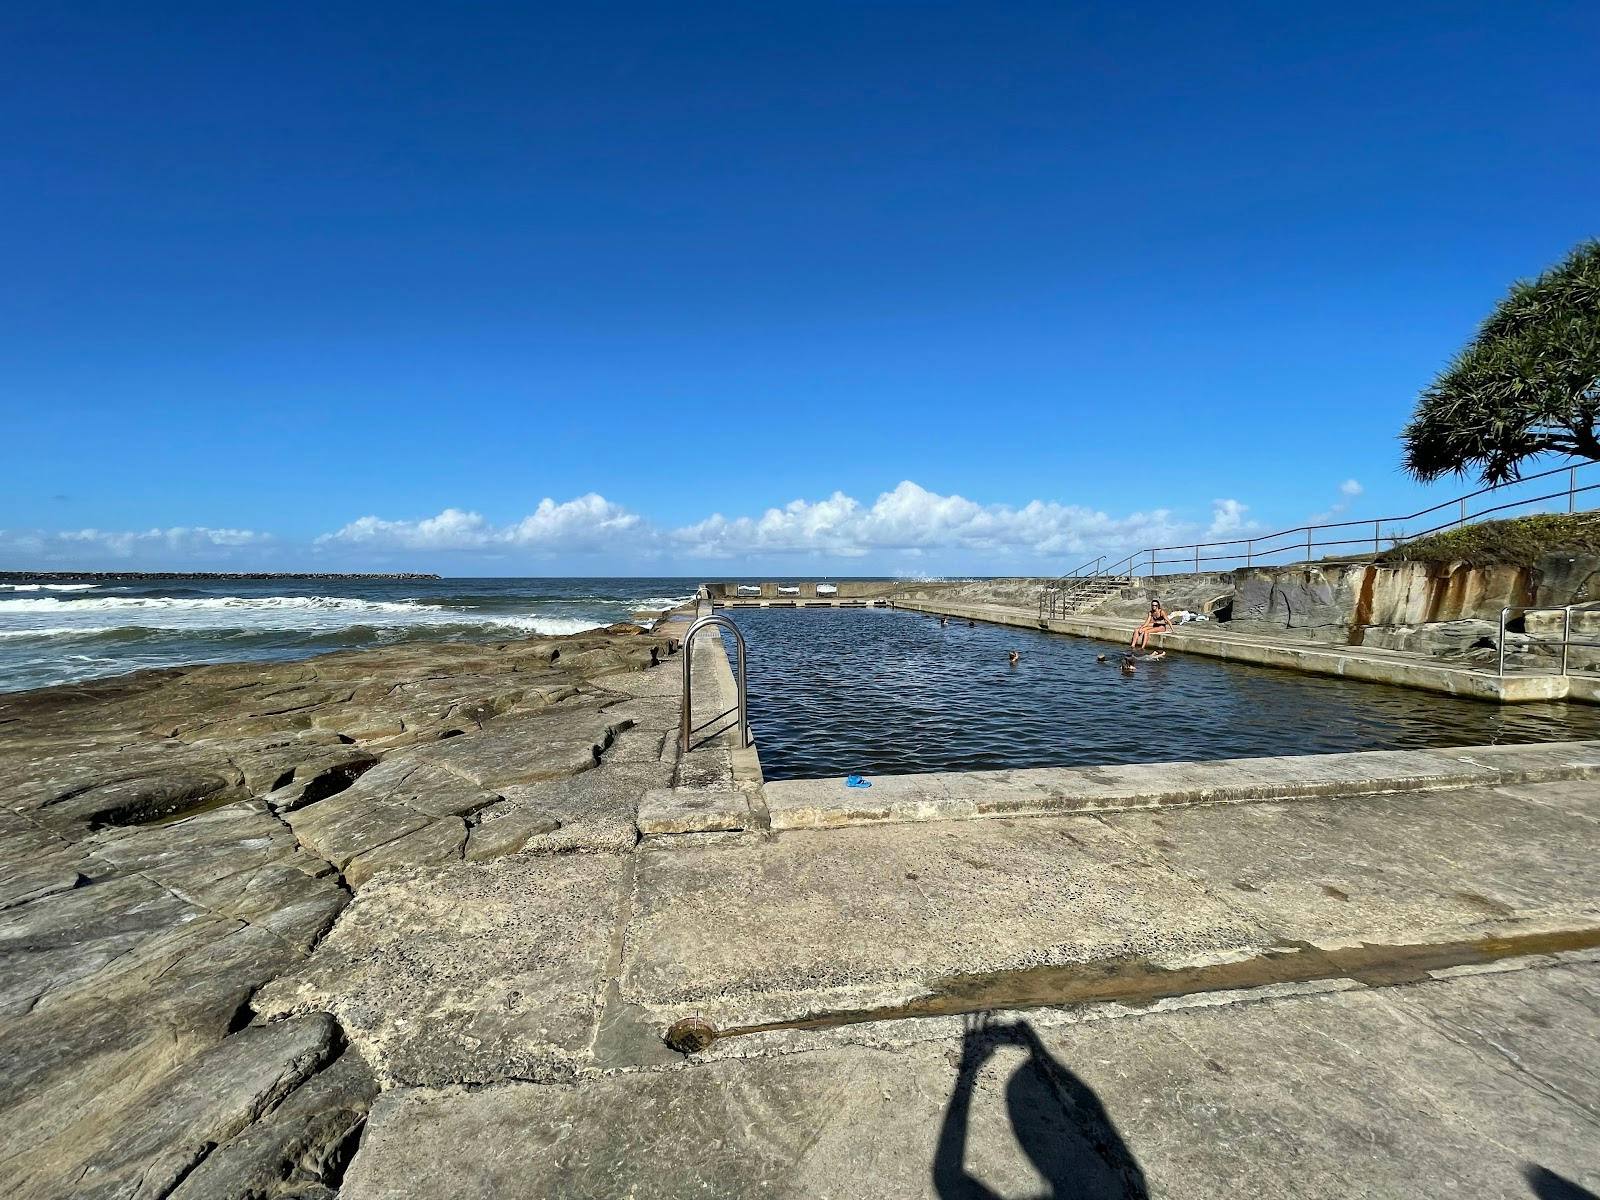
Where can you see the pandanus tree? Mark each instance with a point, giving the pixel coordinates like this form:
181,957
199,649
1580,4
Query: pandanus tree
1527,384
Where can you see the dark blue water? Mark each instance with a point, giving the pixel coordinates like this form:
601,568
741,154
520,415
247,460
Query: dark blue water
51,632
874,691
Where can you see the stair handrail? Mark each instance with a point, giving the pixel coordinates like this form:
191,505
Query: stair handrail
686,648
1304,541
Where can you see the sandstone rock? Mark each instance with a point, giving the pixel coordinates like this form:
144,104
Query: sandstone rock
507,834
136,801
1568,579
206,1102
528,748
351,824
298,779
87,1062
301,1143
442,841
171,842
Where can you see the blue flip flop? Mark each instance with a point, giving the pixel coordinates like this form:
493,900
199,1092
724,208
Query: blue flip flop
856,781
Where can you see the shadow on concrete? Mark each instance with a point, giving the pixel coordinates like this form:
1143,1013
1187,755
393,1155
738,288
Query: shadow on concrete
1056,1118
1547,1185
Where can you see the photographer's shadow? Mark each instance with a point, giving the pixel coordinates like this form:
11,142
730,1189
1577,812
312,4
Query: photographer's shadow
1056,1118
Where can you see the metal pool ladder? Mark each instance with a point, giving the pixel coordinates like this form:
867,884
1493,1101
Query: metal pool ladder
685,729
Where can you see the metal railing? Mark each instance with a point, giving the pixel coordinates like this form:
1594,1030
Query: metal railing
1061,598
686,727
1566,641
1304,542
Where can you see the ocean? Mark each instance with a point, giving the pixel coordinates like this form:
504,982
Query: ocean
52,632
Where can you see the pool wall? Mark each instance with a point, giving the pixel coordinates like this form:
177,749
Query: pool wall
1350,662
957,795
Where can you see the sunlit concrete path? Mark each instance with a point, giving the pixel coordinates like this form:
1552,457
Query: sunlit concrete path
1391,994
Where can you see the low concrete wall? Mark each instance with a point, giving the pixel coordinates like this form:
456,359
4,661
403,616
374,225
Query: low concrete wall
944,796
1309,657
857,589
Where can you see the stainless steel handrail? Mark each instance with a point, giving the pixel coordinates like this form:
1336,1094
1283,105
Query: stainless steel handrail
686,721
1299,540
1566,641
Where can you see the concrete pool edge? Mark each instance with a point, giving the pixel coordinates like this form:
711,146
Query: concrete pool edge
1363,664
716,789
1043,791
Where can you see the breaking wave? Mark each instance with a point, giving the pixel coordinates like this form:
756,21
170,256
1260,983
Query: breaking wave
52,633
51,604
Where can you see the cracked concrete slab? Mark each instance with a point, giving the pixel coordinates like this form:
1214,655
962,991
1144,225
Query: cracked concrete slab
1329,1096
876,915
471,972
1401,869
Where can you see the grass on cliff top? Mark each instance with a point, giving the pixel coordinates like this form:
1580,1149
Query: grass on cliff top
1520,541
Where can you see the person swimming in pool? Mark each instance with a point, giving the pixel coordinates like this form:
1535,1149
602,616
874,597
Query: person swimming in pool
1156,622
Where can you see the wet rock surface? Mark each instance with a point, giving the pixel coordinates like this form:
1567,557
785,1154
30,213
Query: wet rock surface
174,842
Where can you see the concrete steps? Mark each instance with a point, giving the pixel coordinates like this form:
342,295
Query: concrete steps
1074,596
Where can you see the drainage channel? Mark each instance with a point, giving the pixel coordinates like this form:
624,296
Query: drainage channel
1136,982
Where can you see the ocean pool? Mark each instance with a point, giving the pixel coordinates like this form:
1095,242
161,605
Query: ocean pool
877,691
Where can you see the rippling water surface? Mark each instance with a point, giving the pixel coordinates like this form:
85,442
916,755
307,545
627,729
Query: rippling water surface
874,691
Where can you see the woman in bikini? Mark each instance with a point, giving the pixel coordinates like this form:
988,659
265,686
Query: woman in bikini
1156,622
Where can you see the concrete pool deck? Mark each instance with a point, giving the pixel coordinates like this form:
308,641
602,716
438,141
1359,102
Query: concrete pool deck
1366,663
1340,994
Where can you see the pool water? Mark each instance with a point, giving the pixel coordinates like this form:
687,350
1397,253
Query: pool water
877,691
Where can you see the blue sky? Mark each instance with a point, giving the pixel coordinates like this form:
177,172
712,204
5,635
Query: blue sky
495,289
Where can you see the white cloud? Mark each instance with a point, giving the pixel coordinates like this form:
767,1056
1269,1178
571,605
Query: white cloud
908,527
80,545
911,520
1349,489
1228,519
589,523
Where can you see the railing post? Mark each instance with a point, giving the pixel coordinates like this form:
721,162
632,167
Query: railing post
1463,520
1375,537
1566,635
1501,672
1249,551
1308,543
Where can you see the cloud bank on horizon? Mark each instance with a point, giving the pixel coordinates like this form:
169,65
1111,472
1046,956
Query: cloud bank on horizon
905,526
